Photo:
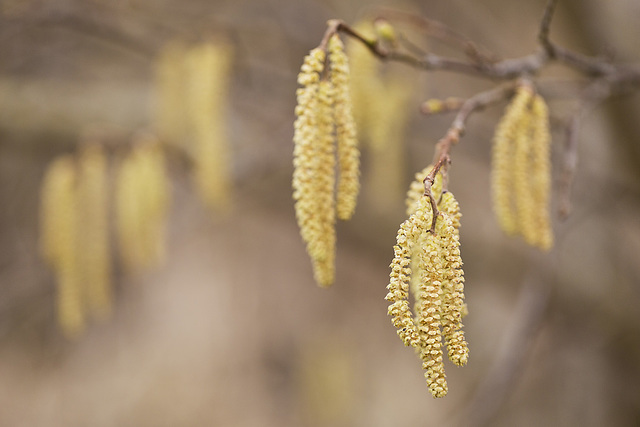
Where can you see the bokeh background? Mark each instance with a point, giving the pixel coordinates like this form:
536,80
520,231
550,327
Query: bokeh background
231,330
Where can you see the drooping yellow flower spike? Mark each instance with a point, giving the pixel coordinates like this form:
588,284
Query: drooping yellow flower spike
170,108
59,236
453,282
521,171
512,125
381,103
541,174
307,182
434,258
365,82
324,127
208,67
414,195
142,199
93,226
323,248
348,153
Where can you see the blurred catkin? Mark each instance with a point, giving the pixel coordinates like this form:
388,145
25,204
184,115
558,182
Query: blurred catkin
541,173
521,172
381,104
59,242
93,236
142,198
208,68
170,112
503,170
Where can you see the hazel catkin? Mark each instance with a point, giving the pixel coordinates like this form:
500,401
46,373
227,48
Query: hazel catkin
59,242
93,225
521,170
324,129
142,198
346,139
427,266
208,67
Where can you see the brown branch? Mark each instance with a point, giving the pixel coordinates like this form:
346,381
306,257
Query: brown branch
545,25
442,157
441,32
585,64
610,79
480,64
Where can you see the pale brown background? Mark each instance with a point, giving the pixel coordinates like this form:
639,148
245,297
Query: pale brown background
232,331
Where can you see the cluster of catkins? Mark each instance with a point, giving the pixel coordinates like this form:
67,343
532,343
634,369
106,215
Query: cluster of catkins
74,221
323,131
427,266
521,171
427,263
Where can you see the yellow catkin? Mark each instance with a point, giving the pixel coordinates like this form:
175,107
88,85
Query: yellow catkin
127,193
208,67
438,291
521,186
59,242
541,173
323,252
453,304
381,100
170,119
347,143
407,243
142,199
365,82
431,275
414,194
93,236
503,171
324,129
386,142
314,167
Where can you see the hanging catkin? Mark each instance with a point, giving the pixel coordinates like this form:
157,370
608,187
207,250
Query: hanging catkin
324,129
429,267
170,109
208,67
381,104
142,199
521,171
93,236
59,242
347,142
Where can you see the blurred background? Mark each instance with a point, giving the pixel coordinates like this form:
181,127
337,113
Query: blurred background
231,329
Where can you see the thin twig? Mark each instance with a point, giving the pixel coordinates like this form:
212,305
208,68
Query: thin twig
441,32
545,25
443,147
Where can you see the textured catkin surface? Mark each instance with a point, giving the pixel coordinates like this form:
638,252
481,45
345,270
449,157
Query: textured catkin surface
232,330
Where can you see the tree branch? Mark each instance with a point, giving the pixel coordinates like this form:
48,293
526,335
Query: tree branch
442,157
